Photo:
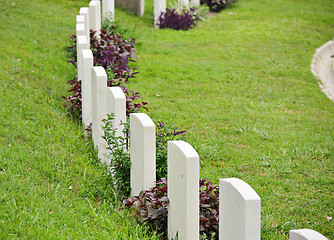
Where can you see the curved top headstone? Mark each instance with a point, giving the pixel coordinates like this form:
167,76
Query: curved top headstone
306,234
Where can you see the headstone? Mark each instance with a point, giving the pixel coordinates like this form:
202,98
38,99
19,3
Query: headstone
99,109
84,11
159,7
82,43
183,2
239,211
80,29
117,105
183,191
86,85
142,153
195,2
108,9
95,16
305,234
134,6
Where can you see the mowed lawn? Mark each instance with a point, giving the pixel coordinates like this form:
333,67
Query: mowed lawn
239,83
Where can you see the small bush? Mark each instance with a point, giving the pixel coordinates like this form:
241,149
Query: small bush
115,54
217,5
164,134
183,19
151,207
119,157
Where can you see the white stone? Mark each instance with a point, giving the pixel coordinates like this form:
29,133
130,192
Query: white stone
95,16
142,153
86,85
239,211
183,191
305,234
108,9
80,29
84,11
82,43
117,106
159,7
184,2
195,2
99,109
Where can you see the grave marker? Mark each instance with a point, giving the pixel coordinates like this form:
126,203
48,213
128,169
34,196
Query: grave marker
117,105
99,109
159,7
86,85
142,153
82,43
108,9
305,234
183,191
239,211
134,6
84,11
95,16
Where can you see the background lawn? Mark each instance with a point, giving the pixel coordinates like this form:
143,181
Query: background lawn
239,83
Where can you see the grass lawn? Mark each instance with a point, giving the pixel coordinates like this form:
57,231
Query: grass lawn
239,83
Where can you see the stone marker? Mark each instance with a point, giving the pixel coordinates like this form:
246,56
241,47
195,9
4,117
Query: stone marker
99,109
134,6
95,16
84,11
142,153
183,2
239,211
305,234
80,29
108,9
159,7
195,2
117,106
86,85
82,43
183,191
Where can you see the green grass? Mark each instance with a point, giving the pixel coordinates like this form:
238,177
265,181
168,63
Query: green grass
240,83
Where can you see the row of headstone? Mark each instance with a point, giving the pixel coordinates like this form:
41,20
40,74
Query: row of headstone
239,206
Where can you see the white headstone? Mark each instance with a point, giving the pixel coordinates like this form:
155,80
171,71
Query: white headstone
184,2
306,234
84,11
195,2
117,105
99,109
159,7
86,85
95,16
142,153
80,29
183,191
82,43
239,211
108,9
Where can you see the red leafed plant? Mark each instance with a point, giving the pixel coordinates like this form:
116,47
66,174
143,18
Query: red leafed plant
151,207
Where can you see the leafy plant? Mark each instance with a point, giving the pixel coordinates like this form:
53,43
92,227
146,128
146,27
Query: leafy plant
114,53
151,207
178,19
119,157
164,134
209,209
217,5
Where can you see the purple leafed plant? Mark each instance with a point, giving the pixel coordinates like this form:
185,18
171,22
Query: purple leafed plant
184,19
115,54
151,207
